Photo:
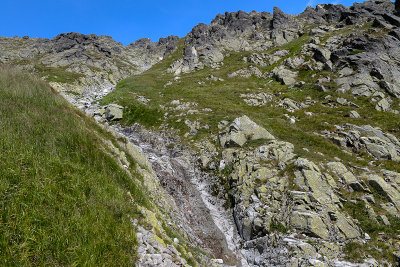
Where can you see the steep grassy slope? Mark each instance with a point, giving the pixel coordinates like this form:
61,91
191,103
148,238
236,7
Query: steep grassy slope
63,197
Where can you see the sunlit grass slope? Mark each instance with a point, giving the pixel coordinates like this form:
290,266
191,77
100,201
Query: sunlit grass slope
63,199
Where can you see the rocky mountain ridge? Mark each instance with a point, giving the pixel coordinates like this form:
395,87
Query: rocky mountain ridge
241,31
77,63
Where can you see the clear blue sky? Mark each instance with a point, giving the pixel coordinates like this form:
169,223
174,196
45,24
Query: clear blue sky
127,20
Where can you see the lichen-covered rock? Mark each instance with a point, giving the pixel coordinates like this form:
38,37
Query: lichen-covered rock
281,152
136,153
242,130
383,105
114,112
348,178
347,227
310,223
310,178
321,190
385,189
284,75
207,152
381,145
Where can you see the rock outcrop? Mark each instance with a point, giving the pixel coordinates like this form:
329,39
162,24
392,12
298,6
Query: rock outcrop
380,145
113,112
242,130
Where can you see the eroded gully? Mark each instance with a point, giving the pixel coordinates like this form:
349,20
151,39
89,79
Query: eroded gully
191,188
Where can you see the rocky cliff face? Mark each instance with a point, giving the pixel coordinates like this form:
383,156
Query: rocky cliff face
241,31
289,122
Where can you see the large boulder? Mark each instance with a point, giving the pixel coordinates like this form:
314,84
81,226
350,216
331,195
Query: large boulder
321,54
114,112
383,105
211,57
380,148
310,223
392,89
242,130
284,75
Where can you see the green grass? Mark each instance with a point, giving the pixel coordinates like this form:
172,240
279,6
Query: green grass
63,199
379,233
60,75
276,226
355,52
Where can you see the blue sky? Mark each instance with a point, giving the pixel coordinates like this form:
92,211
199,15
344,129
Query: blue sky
127,20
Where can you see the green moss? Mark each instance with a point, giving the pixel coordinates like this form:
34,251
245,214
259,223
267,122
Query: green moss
191,261
255,143
355,52
170,233
276,226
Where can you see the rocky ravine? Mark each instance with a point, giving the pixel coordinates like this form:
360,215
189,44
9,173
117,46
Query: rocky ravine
286,208
184,193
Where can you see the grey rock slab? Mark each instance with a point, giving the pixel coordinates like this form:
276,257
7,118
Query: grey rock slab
380,149
391,88
114,112
354,114
348,178
242,130
321,54
284,75
385,189
383,105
